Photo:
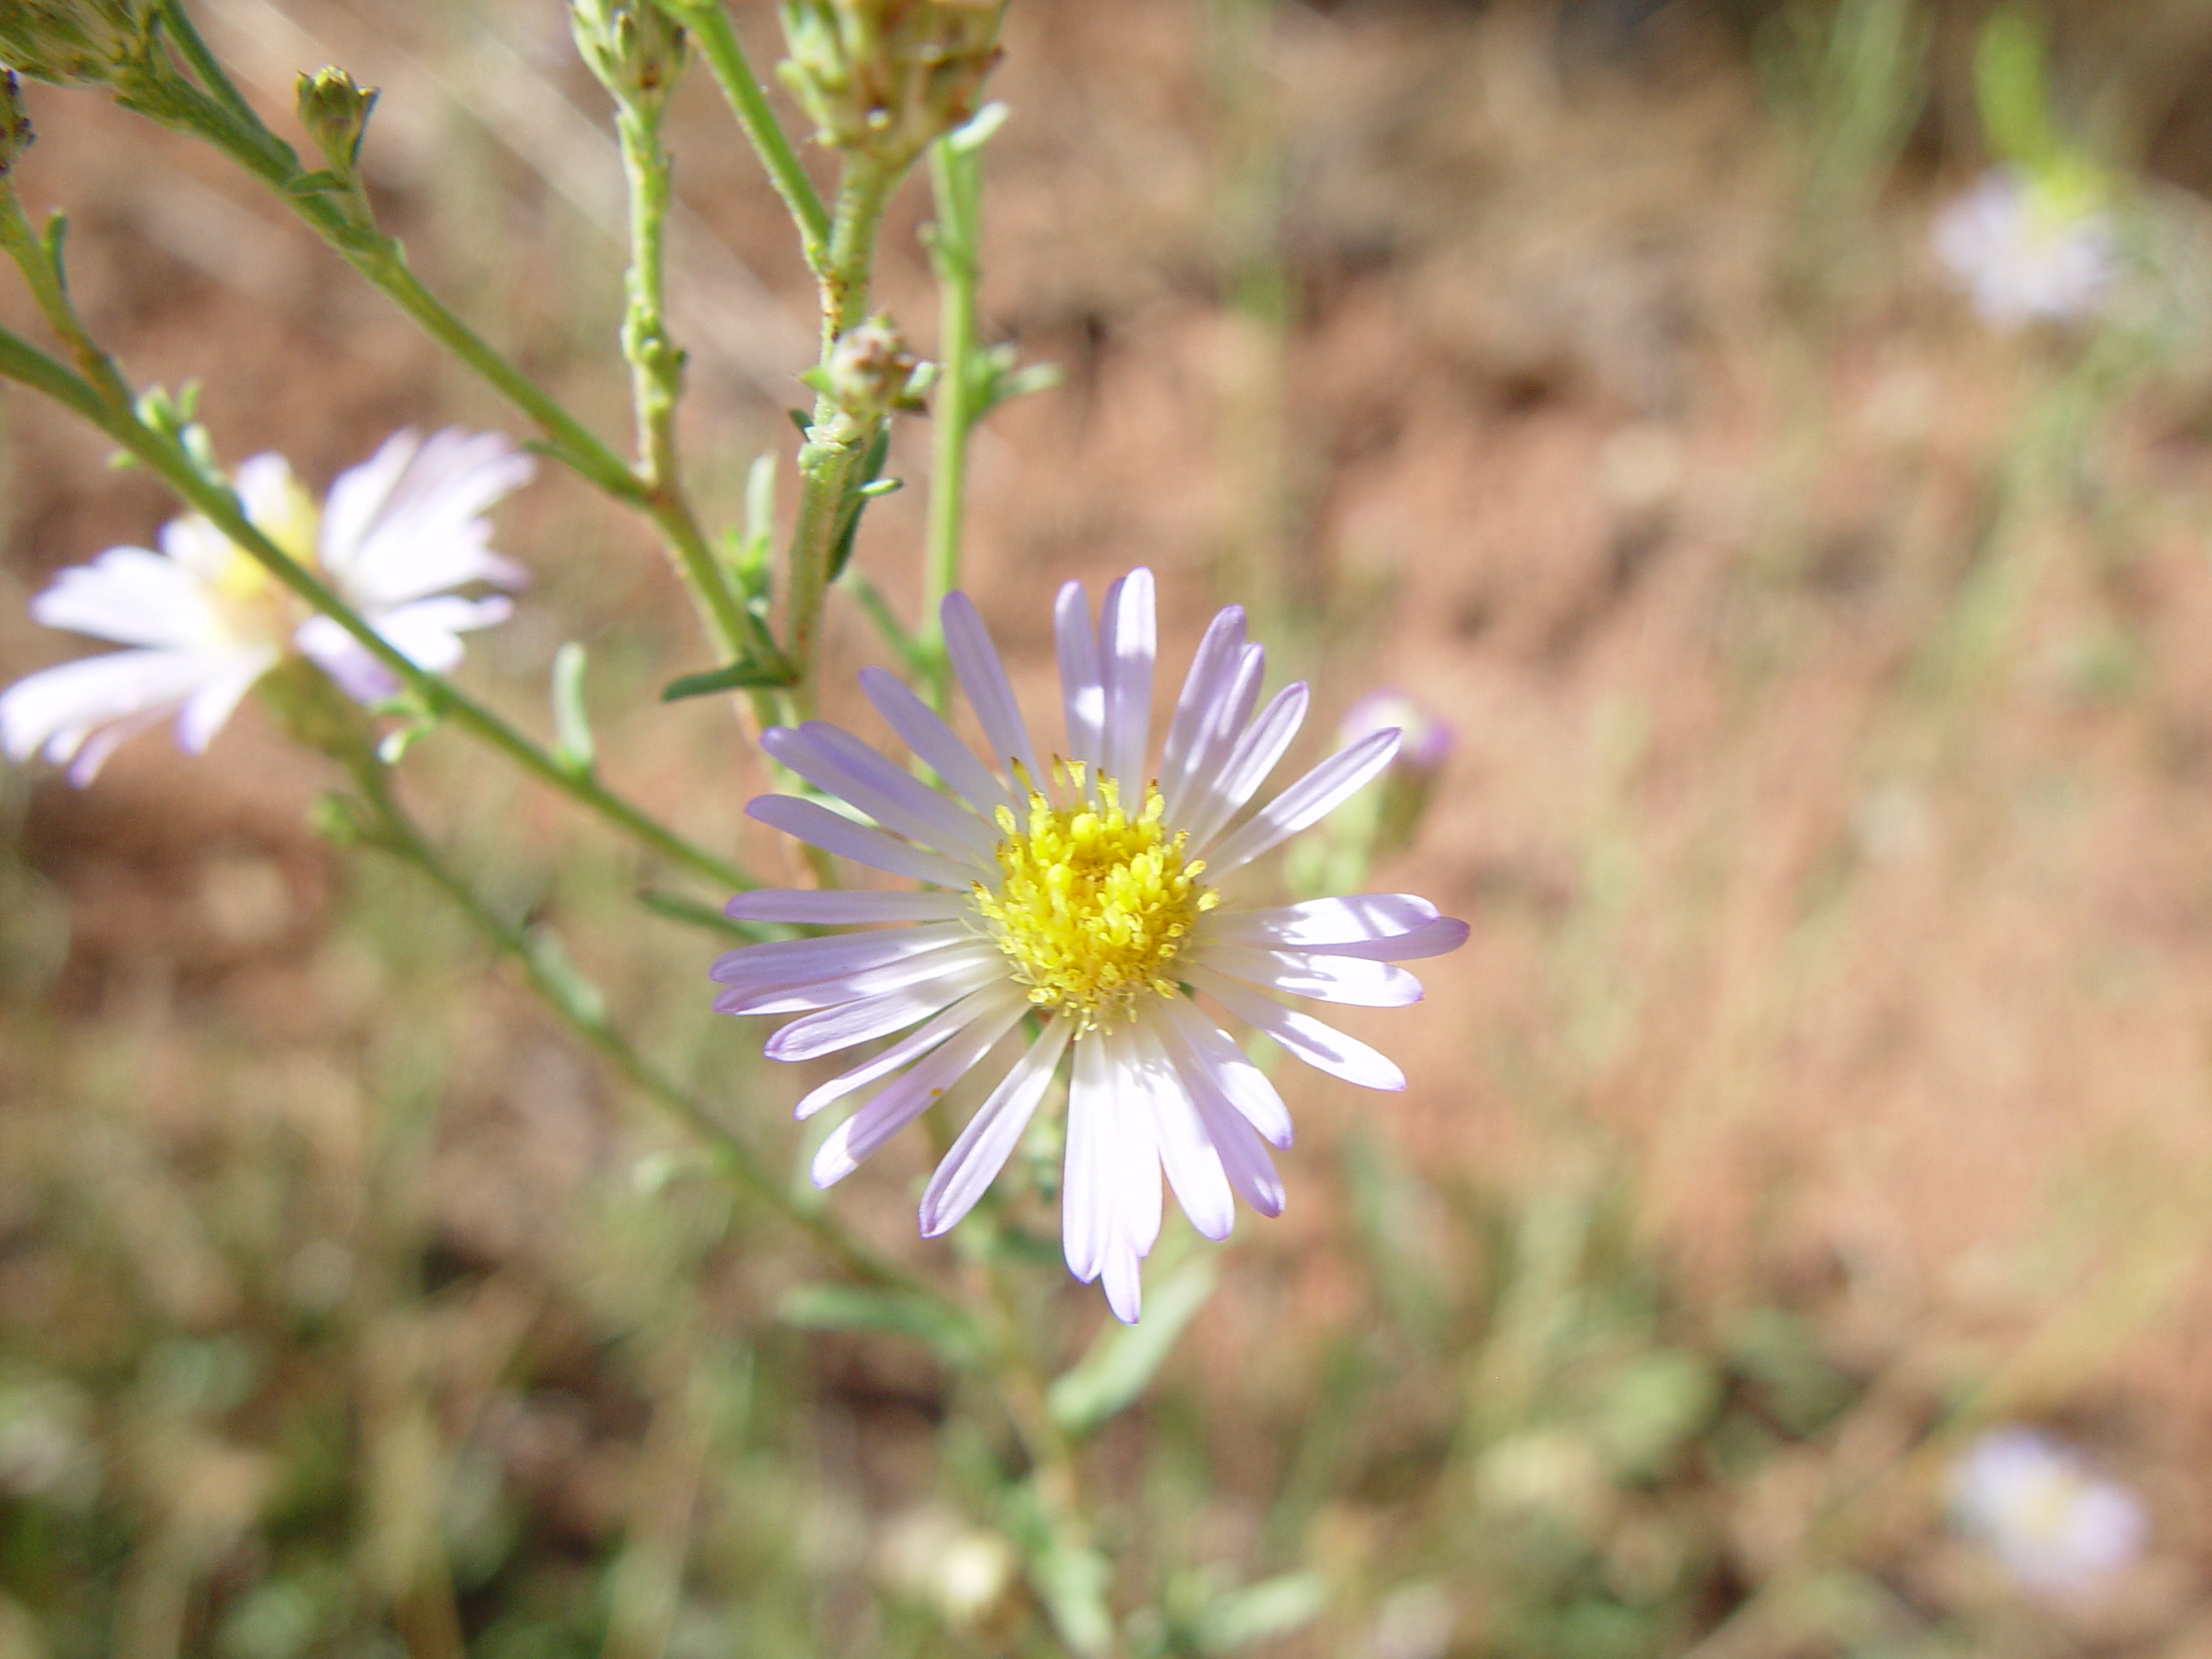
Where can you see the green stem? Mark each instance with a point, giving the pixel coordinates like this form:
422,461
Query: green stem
578,1005
657,385
828,481
708,24
953,253
162,455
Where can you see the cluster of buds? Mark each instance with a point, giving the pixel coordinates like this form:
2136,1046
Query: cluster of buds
884,78
76,42
635,49
869,372
16,133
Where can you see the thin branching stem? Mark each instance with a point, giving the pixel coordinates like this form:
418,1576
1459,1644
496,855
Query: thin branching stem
164,457
953,253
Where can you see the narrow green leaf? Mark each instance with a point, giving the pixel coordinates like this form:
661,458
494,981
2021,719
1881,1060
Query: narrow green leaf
573,747
1073,1585
676,908
937,1326
1122,1362
746,676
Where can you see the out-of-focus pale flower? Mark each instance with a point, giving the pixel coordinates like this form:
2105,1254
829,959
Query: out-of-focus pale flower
2057,1528
2029,248
1080,894
205,620
1394,812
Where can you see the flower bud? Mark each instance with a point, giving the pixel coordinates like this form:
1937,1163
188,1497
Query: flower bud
870,371
635,49
1406,785
336,112
886,77
75,42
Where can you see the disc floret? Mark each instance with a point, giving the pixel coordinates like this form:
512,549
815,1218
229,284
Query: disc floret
1094,904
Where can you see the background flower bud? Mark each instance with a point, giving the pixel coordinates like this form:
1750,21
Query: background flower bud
633,48
887,77
75,42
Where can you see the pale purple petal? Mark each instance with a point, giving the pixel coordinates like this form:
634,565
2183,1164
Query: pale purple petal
1086,1216
1255,756
1242,1084
904,1099
59,709
1127,642
1324,1047
1081,692
936,744
1122,1277
1380,927
1328,978
208,709
802,961
1205,689
841,765
985,1004
846,907
992,1134
1186,1151
850,988
1311,798
1134,1146
818,826
871,1017
983,677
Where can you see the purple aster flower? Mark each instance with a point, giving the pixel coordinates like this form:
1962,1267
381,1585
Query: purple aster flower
1096,896
205,620
2026,251
2057,1528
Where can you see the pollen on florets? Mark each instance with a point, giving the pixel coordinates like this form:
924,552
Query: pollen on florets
1094,905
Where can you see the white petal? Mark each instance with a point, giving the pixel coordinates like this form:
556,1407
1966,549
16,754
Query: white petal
870,1017
1249,763
409,521
987,1004
1081,692
1305,973
839,764
983,677
1127,641
1212,667
1186,1151
1327,925
134,597
1242,1084
1124,1281
59,708
939,745
846,906
1133,1144
1086,1220
1311,798
818,826
270,494
837,988
208,709
1218,740
802,961
1437,939
905,1098
1324,1047
992,1134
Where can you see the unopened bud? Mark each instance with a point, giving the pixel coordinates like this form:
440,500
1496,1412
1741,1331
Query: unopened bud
335,109
1425,743
870,371
75,42
636,50
887,77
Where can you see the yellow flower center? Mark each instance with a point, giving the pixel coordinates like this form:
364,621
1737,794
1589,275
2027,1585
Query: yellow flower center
1095,904
244,581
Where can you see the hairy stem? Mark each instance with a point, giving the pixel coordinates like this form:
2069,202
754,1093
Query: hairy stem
710,26
953,254
579,1007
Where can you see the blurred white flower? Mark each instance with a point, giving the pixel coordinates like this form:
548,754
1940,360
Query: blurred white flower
2057,1528
205,620
2028,249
